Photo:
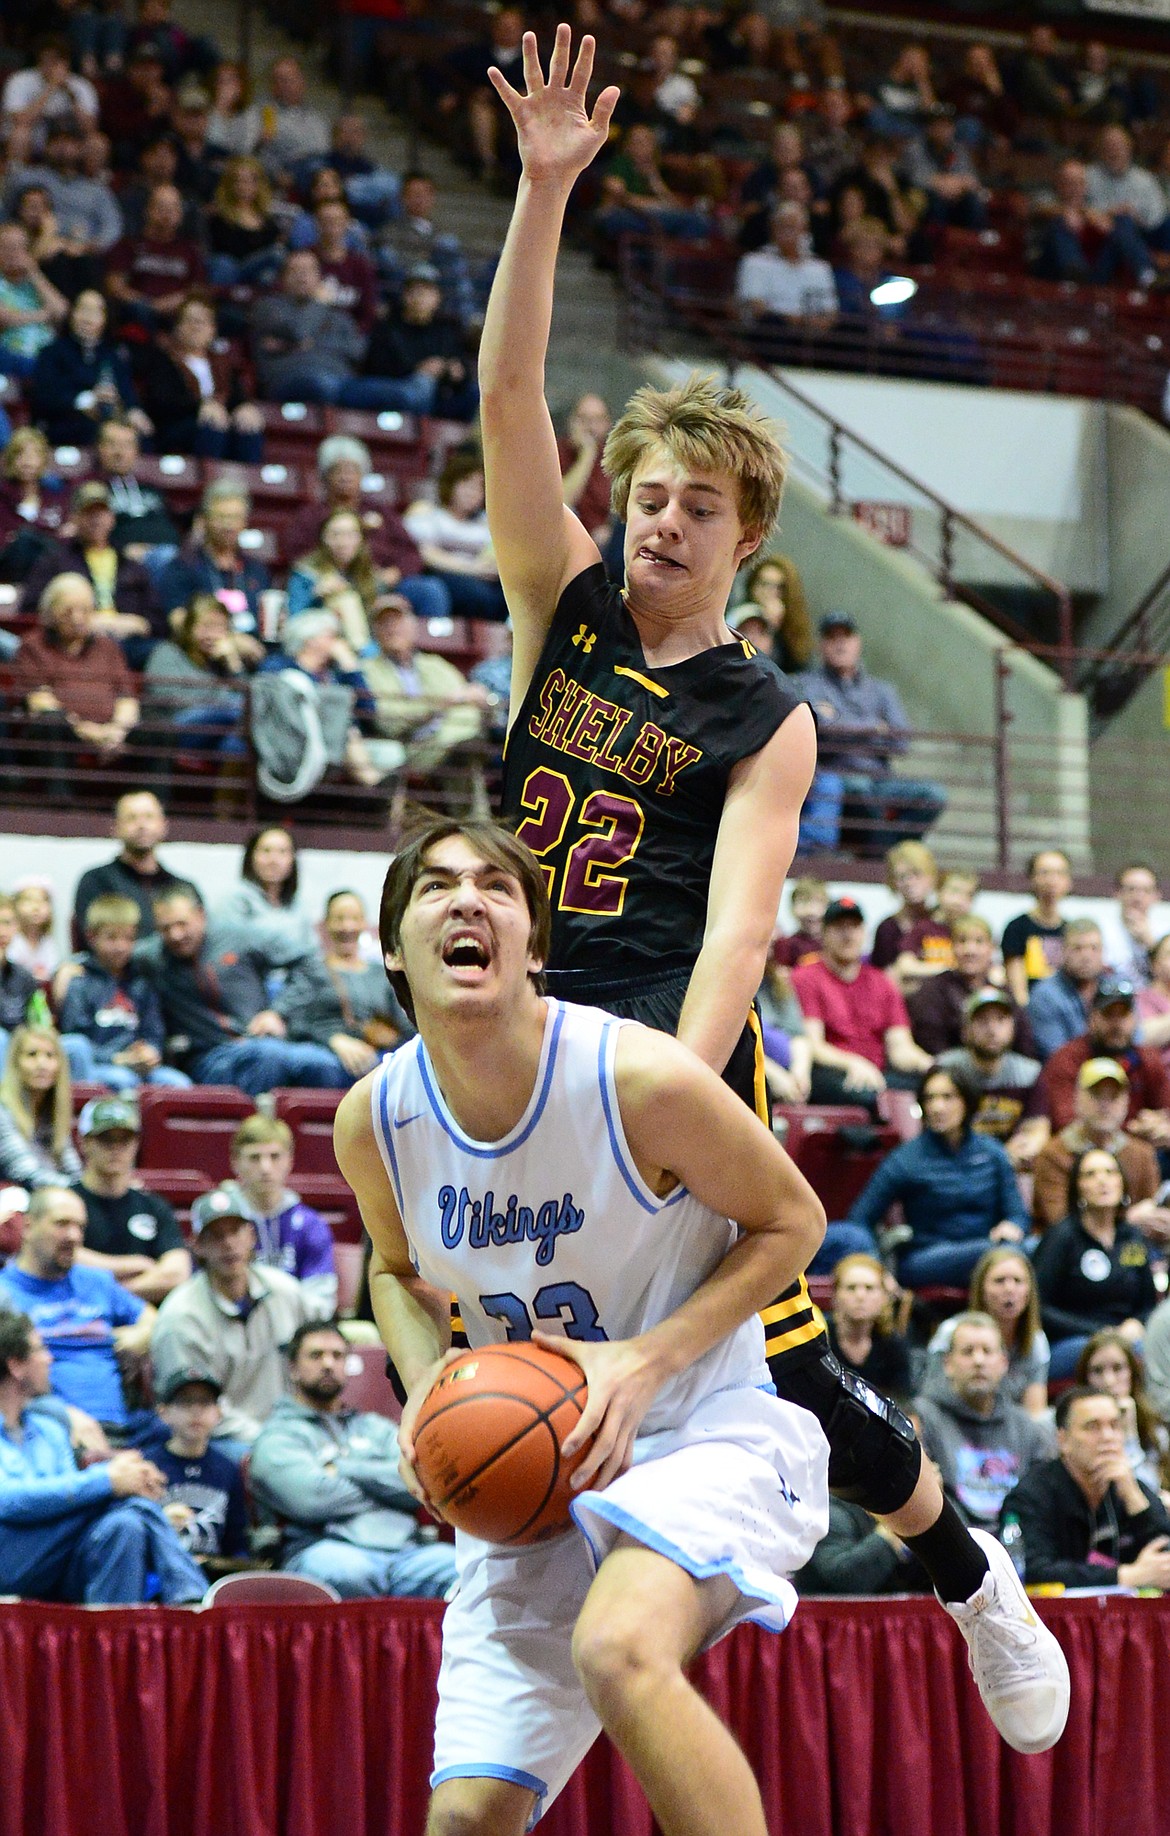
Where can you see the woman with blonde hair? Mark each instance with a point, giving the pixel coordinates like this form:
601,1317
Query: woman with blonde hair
912,942
861,1325
775,586
1004,1286
33,504
36,1111
243,234
339,574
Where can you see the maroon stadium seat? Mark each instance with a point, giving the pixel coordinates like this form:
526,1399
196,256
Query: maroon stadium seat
367,1386
310,1113
180,1186
192,1128
329,1194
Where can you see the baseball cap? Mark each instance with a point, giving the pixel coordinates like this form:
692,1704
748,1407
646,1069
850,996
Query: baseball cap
1114,991
843,911
93,492
987,997
1096,1071
224,1202
166,1392
836,621
746,614
102,1115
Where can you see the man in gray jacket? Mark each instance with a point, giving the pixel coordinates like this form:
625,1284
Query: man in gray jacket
331,1477
306,349
983,1443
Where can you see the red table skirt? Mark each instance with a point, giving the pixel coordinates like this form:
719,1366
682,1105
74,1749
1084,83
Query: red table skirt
860,1721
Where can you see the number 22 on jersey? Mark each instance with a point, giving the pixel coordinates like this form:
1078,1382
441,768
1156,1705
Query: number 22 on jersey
611,827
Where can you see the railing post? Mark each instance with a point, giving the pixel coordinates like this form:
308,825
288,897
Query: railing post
835,499
1064,609
946,553
1002,768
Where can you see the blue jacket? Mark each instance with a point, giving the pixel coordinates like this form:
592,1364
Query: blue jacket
1056,1012
39,1478
113,1014
66,369
948,1195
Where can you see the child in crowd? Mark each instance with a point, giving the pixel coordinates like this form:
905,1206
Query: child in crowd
33,946
912,942
289,1235
36,1112
111,1021
808,901
204,1499
17,986
1033,943
956,895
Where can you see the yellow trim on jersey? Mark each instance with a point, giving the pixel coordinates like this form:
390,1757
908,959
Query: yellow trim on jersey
784,1310
789,1341
619,669
748,648
759,1080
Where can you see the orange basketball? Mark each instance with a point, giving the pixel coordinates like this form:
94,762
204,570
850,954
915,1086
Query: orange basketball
487,1441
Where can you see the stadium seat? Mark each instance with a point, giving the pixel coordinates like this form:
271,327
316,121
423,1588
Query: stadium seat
192,1128
395,441
180,1186
292,431
178,477
837,1169
329,1194
83,1093
310,1113
367,1386
265,1587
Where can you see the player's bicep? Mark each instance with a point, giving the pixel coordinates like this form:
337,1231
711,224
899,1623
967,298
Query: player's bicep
758,830
361,1167
533,598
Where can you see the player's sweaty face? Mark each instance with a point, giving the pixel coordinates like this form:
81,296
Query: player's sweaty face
466,927
684,539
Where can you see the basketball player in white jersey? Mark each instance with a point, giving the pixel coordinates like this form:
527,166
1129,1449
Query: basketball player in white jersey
567,1173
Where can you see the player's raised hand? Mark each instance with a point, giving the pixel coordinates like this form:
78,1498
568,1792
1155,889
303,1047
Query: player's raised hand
556,134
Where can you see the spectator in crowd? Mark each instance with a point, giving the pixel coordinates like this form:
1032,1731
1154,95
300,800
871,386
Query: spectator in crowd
46,91
937,1007
1102,1101
83,377
341,999
233,127
862,728
33,504
87,1319
1152,1002
204,1501
344,468
454,540
1077,242
1003,1285
75,684
861,1326
1059,1006
330,1477
135,872
426,703
1041,78
1009,1106
136,106
775,586
216,561
765,185
1093,1268
905,98
67,267
1033,942
860,1554
111,1022
230,1320
854,1016
34,946
348,277
158,164
880,194
17,986
1086,1520
1114,184
1111,1030
466,91
985,112
956,894
493,674
1109,1366
419,345
144,529
243,232
307,349
957,1189
36,1110
808,901
215,1002
192,387
85,208
636,198
179,51
193,687
783,281
314,670
126,606
1129,932
338,574
30,306
289,1235
787,1051
831,146
291,131
912,943
95,1536
130,1232
984,1444
939,164
197,173
149,276
583,480
414,236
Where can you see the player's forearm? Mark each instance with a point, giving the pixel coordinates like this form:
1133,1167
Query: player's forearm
519,312
719,995
412,1334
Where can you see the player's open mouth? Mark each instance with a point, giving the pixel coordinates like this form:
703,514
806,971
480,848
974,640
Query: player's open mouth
650,554
465,950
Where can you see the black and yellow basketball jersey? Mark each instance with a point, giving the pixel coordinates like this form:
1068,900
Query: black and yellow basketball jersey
615,775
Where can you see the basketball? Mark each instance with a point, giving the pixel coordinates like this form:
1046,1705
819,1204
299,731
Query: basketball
488,1437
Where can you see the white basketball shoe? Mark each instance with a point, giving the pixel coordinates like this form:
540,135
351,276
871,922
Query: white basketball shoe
1019,1669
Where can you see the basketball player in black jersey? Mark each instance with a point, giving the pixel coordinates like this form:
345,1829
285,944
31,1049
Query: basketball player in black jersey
656,767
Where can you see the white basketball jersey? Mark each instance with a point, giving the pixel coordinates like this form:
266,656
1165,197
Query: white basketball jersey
553,1226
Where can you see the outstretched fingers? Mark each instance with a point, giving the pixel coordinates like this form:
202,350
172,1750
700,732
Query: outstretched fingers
603,109
558,63
533,74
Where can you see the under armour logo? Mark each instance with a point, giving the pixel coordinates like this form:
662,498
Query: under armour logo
585,639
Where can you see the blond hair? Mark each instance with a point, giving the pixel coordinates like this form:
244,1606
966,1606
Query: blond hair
14,1096
913,854
705,428
262,1131
111,909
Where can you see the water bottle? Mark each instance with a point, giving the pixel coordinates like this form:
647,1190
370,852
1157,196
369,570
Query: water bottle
1012,1538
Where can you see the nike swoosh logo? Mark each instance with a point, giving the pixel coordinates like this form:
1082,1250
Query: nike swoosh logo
401,1121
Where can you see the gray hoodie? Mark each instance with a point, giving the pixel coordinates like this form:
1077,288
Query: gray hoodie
331,1476
981,1457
